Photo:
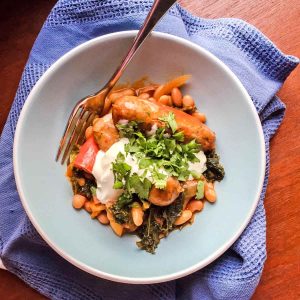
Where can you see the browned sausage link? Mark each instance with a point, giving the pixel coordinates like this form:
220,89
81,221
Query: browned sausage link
134,109
105,132
164,197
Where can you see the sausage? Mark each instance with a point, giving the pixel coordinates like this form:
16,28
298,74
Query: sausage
132,108
105,132
164,197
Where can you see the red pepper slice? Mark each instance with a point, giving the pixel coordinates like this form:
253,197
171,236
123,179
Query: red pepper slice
87,155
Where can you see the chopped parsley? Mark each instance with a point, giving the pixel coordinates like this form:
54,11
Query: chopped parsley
160,179
160,155
121,170
170,120
128,129
179,136
200,190
93,190
138,186
131,183
124,199
158,152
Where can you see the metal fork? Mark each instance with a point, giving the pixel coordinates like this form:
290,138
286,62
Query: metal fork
86,109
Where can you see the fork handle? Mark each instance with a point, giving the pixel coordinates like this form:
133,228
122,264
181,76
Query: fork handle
157,11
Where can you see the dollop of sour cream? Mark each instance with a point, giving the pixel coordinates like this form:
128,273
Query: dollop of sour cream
200,166
103,173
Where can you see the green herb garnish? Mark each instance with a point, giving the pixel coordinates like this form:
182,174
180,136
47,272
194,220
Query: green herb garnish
179,136
128,129
93,190
121,170
160,179
161,155
200,190
138,186
170,120
124,199
195,175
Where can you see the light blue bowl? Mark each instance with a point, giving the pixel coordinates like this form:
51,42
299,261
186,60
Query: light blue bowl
46,194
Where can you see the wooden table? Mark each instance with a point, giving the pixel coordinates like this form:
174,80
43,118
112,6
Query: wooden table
280,21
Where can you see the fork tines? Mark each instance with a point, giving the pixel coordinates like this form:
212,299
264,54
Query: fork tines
79,120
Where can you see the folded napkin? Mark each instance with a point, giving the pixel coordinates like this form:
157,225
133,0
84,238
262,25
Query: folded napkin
260,66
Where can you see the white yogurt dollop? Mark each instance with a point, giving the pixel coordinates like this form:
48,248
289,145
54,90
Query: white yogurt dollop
200,166
102,170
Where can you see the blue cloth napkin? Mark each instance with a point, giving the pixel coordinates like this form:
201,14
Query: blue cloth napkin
260,66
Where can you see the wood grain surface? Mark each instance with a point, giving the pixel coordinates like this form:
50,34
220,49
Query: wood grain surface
280,21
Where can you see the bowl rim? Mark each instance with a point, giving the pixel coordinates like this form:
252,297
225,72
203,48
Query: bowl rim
83,266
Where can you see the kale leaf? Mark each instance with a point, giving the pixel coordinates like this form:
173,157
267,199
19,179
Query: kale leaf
215,171
159,222
149,232
85,190
124,199
121,214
